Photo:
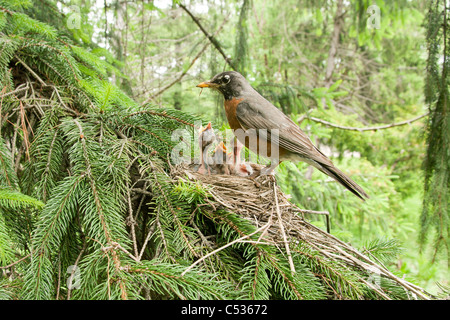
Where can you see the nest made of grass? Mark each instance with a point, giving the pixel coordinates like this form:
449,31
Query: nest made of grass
261,202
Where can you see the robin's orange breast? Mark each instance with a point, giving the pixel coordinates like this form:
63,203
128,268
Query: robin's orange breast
230,111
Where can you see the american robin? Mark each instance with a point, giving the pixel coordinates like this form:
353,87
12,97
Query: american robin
249,112
205,139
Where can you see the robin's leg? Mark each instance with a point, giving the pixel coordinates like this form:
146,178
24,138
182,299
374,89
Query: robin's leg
205,161
207,165
237,152
202,169
268,170
267,173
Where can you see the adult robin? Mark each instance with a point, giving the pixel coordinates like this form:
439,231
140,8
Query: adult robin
251,114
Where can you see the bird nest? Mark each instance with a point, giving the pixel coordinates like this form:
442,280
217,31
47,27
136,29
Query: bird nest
281,223
254,200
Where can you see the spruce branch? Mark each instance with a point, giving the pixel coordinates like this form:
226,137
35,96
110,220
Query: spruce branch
175,215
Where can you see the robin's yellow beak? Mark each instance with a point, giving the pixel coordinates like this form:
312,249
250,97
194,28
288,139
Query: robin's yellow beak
207,84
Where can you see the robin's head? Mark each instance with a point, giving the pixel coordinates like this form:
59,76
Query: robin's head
229,83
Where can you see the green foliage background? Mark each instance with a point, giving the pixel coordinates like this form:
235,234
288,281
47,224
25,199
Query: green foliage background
124,55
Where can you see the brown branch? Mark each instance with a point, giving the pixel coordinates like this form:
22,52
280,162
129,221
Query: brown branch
31,71
267,225
6,10
16,262
20,88
186,69
396,124
173,40
210,37
283,233
69,289
132,223
161,114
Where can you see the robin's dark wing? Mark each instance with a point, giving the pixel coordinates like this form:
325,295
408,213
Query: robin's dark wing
263,115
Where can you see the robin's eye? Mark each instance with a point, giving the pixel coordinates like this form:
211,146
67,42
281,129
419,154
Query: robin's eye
226,79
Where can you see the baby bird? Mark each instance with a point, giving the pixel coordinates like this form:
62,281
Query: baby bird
239,168
222,159
205,139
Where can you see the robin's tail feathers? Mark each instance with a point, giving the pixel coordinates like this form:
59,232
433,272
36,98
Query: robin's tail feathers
343,179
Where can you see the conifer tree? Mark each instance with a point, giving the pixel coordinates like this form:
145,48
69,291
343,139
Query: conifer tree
435,212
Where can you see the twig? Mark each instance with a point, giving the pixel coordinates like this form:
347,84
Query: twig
163,238
38,107
199,232
396,124
16,262
58,287
325,213
269,221
142,191
31,71
24,121
13,143
25,143
220,201
259,242
311,211
374,288
210,37
185,69
283,233
69,289
17,90
63,104
132,223
225,246
411,287
115,245
149,234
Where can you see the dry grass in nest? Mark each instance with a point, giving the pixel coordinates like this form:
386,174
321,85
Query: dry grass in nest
256,201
